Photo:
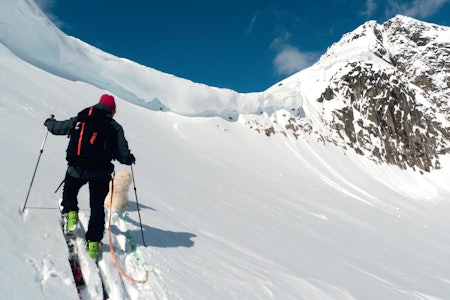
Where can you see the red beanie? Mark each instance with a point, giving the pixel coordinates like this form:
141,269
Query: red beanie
109,101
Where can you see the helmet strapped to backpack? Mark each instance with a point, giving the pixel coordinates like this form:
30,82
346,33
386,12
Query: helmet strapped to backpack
88,139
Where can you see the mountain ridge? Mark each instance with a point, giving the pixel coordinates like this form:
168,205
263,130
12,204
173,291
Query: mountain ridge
386,96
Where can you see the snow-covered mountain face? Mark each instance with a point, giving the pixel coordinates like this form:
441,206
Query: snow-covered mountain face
381,91
384,92
395,110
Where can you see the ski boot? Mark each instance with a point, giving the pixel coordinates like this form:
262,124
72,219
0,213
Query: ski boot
70,222
92,248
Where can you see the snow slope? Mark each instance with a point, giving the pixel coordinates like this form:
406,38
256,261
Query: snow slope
25,27
227,213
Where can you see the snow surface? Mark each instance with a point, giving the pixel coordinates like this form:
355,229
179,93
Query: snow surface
25,27
227,212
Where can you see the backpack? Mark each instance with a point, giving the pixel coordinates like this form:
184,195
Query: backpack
88,139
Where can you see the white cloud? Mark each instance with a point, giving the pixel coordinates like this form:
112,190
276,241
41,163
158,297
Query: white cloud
280,41
369,8
46,6
290,60
425,8
418,8
252,23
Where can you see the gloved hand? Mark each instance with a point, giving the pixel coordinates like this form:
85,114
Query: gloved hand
52,117
131,159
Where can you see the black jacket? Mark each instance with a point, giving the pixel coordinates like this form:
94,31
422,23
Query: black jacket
117,149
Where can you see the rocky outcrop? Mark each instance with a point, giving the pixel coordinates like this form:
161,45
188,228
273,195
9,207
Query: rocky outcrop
390,101
382,119
387,105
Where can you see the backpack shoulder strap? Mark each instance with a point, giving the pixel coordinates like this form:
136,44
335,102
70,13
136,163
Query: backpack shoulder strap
94,114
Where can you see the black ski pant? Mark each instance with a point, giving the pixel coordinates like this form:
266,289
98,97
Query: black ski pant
98,189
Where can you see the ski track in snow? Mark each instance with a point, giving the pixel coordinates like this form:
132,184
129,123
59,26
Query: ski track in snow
330,180
45,269
117,287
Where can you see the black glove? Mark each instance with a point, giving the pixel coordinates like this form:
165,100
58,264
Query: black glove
52,117
131,159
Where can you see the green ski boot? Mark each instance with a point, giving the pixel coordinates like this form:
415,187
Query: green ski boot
70,224
92,249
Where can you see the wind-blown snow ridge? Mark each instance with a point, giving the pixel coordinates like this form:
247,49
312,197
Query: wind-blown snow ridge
25,27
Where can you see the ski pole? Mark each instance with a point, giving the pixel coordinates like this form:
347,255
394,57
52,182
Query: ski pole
59,186
35,169
137,203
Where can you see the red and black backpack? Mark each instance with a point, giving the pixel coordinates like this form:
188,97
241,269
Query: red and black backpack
89,138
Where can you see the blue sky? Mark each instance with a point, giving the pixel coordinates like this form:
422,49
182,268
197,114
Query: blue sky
244,45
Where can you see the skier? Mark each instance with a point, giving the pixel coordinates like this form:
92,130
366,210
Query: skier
97,175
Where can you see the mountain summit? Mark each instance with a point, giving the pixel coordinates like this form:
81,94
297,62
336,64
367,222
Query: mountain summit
384,92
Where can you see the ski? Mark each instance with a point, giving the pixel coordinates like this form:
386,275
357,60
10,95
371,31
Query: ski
105,293
92,265
74,260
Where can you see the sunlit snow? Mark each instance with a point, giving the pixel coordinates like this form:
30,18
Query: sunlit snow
227,212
